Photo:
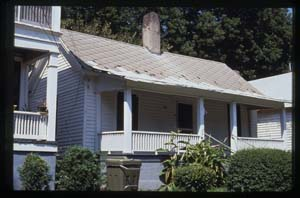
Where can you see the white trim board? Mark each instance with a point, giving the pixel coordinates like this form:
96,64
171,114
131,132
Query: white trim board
35,147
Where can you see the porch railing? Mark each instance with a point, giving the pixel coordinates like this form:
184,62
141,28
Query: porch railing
36,15
30,125
112,141
143,140
251,142
151,141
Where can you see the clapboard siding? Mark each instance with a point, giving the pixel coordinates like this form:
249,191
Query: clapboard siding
70,105
216,119
268,124
108,111
157,112
90,115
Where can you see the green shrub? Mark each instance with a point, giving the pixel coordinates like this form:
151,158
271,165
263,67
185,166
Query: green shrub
201,153
194,178
78,170
260,170
211,157
34,173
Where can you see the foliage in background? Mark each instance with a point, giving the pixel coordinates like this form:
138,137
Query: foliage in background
200,154
78,170
256,41
34,173
260,170
195,178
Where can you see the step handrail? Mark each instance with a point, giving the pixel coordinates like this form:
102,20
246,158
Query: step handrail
210,136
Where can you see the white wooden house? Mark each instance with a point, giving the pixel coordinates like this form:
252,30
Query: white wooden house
37,32
275,123
125,99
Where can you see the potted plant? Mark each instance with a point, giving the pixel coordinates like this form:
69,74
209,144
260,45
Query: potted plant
42,107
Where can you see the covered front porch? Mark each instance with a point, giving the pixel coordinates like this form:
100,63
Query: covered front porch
34,95
134,120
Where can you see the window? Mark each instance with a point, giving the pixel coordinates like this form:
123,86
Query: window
120,111
185,117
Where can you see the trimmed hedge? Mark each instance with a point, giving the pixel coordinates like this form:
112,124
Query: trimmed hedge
78,170
34,173
194,177
260,170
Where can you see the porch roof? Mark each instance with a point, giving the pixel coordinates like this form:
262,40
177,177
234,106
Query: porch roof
136,63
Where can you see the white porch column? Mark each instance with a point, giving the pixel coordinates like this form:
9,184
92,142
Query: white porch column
233,126
52,95
283,126
200,118
127,120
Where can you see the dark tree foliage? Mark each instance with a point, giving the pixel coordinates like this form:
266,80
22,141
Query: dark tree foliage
256,42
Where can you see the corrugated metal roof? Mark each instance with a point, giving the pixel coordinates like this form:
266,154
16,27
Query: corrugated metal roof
136,62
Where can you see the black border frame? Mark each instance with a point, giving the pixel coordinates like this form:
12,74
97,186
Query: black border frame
6,109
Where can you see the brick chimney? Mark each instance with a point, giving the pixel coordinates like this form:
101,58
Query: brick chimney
151,32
